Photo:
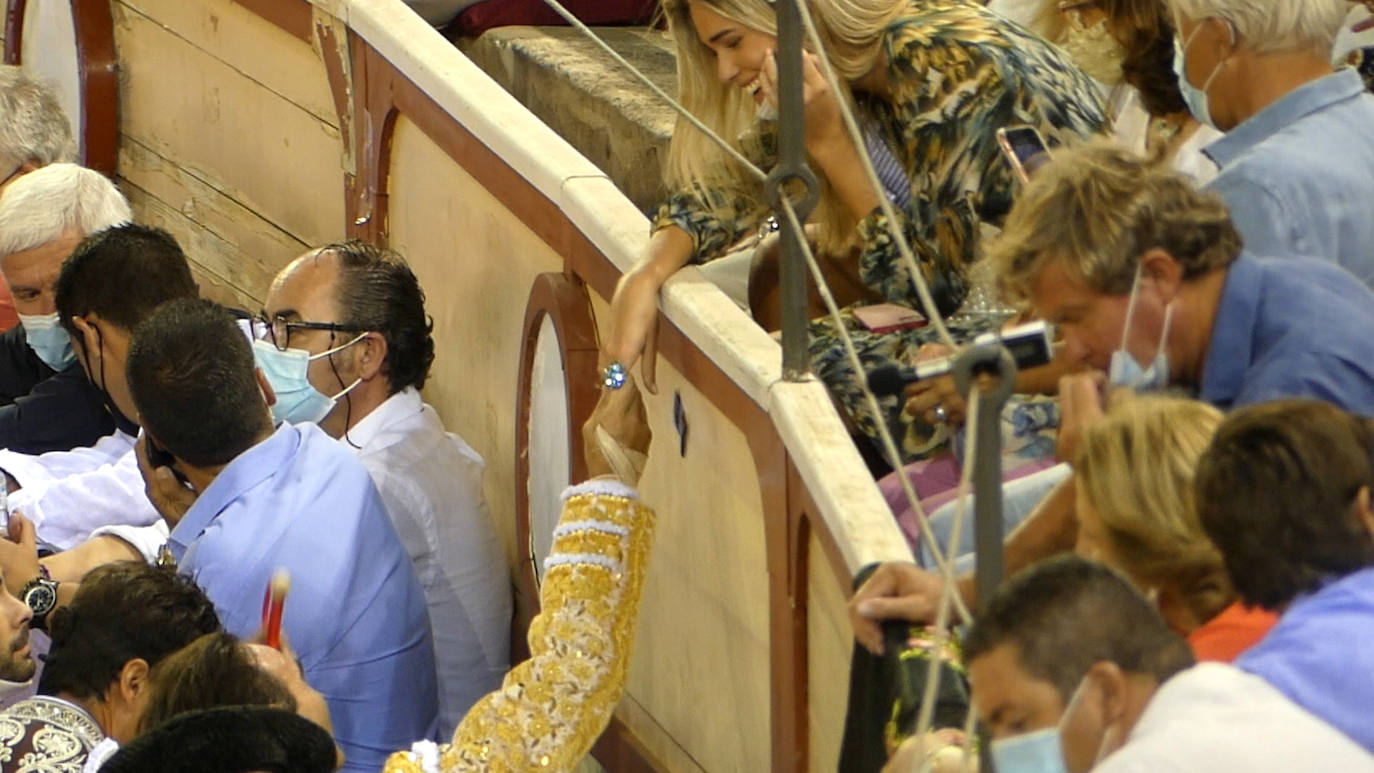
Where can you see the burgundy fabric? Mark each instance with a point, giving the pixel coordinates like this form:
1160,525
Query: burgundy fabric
502,13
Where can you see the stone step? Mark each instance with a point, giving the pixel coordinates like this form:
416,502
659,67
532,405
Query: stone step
580,92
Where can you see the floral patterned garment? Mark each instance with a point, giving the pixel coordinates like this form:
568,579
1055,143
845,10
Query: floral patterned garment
46,735
1362,59
957,73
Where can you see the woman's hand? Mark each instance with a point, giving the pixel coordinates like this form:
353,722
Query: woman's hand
939,751
824,125
634,307
924,398
620,413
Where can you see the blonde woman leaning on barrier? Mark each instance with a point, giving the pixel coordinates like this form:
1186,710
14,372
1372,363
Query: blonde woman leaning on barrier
1136,513
552,707
931,81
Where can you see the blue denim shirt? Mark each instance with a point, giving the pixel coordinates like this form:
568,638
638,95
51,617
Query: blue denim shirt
355,615
1298,176
1320,656
1291,327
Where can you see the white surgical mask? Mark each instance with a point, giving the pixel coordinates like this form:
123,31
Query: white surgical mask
1042,751
1124,371
288,373
48,339
1196,98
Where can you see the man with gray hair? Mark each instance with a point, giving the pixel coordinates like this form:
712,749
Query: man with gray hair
1298,153
34,132
46,401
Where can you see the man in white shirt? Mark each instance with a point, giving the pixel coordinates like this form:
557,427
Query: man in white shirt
345,343
1071,669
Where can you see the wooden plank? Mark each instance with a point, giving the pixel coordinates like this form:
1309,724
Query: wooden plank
211,256
229,131
257,248
287,66
830,640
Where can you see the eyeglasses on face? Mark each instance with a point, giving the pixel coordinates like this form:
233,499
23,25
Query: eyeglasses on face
277,330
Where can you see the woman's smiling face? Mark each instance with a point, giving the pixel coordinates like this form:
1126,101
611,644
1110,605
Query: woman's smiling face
739,50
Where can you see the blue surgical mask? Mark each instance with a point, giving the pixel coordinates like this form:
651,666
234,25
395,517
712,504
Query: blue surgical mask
288,373
1196,98
49,340
1124,371
1042,751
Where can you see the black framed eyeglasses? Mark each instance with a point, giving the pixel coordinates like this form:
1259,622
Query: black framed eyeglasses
277,330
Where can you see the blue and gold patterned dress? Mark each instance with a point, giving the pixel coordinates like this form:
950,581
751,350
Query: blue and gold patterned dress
957,73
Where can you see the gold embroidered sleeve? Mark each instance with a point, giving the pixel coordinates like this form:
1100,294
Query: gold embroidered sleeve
551,708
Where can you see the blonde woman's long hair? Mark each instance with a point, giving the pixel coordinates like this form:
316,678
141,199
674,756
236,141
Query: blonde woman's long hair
852,32
1136,468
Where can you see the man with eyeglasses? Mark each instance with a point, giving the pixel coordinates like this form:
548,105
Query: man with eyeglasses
344,343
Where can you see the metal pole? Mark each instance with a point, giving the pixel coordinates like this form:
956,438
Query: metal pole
792,173
995,361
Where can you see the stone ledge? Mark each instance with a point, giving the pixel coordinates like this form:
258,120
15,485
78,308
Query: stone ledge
581,93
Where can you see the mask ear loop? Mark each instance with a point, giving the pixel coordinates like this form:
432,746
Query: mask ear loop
1130,308
1164,334
346,394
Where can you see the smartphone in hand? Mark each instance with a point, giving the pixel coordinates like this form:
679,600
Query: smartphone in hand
1024,149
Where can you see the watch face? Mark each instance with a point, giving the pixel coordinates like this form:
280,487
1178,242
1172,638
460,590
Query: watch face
41,598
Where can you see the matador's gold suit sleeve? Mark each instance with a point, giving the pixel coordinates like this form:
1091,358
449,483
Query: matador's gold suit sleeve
551,708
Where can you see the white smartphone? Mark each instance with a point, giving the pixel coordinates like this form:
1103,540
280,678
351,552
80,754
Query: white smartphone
1024,148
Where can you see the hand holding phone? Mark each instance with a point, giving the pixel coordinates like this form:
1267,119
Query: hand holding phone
1024,149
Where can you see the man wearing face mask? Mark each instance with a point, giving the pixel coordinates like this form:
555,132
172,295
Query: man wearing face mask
1072,670
1298,155
1147,282
345,344
111,282
46,401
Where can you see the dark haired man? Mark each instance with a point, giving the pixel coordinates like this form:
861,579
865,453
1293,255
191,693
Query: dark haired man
124,619
1071,668
112,281
1284,493
293,499
345,344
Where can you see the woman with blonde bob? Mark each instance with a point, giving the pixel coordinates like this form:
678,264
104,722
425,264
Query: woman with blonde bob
1136,513
931,82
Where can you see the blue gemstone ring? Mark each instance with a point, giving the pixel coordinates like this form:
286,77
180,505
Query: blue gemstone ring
613,376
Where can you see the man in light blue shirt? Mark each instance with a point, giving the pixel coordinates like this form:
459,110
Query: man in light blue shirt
1298,155
257,500
1299,473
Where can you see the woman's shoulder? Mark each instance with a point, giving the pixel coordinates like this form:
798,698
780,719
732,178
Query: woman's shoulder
955,33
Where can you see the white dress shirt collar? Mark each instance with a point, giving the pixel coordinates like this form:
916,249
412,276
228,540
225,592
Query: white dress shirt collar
400,406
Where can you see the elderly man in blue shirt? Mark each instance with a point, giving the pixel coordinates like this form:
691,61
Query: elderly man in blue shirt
1298,155
1148,284
255,500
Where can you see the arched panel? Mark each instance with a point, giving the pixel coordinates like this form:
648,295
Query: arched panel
70,44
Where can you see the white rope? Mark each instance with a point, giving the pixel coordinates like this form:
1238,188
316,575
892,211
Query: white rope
889,211
884,433
577,23
947,593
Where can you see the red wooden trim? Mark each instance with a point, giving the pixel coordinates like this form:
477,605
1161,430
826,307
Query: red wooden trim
14,29
564,300
99,85
97,66
293,16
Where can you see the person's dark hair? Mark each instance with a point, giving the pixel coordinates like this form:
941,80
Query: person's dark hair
192,376
214,670
376,290
1276,493
1148,65
1065,614
122,273
236,739
122,611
